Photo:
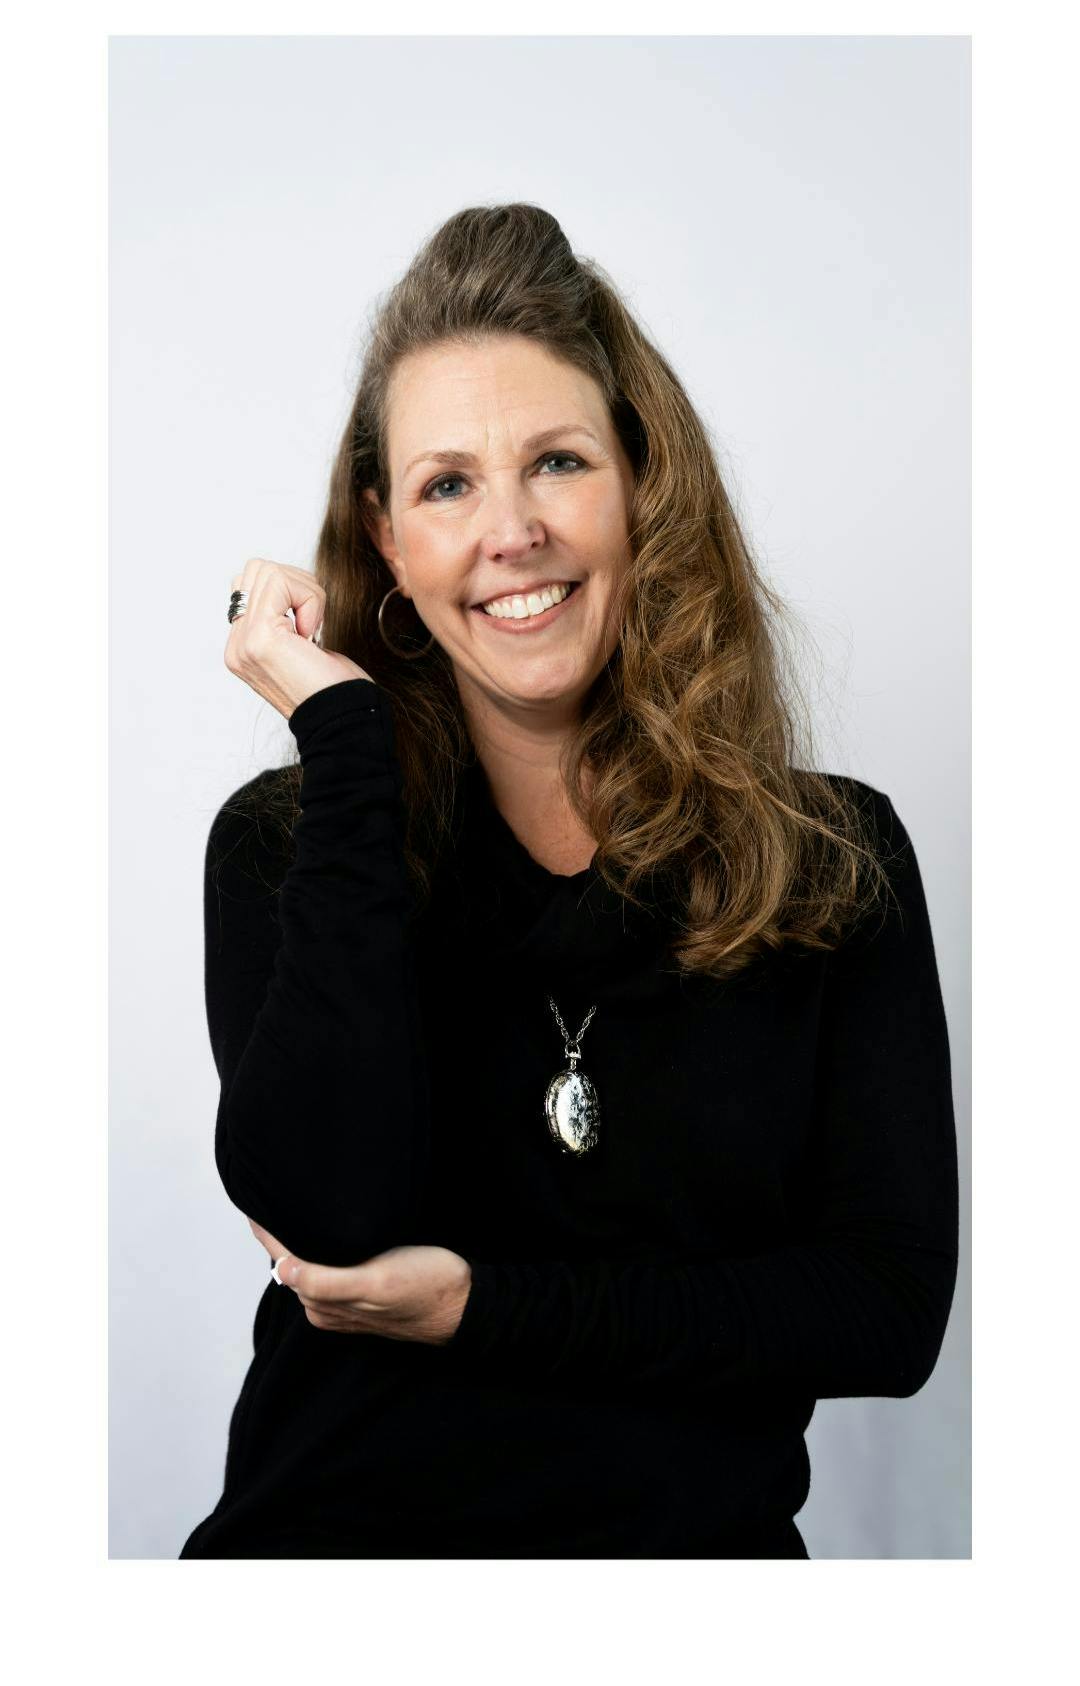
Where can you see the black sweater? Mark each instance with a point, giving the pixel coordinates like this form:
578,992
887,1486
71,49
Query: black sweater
770,1216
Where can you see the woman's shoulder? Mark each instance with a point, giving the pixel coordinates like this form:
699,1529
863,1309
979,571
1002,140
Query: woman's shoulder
874,809
250,844
866,795
896,897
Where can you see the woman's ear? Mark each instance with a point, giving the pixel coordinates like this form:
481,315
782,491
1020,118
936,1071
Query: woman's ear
379,527
382,537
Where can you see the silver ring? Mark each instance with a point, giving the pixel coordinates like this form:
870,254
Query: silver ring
237,605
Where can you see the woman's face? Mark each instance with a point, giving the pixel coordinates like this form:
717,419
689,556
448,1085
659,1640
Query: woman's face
507,477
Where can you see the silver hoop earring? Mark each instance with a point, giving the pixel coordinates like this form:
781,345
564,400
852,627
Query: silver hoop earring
406,655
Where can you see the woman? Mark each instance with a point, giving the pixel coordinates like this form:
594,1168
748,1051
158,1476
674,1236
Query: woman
583,1062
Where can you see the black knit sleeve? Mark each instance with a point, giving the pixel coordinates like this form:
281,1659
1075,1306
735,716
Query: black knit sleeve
311,996
858,1302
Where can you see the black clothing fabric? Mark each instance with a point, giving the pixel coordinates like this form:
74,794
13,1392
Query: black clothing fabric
770,1216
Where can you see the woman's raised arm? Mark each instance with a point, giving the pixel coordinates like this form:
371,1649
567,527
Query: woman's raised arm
311,996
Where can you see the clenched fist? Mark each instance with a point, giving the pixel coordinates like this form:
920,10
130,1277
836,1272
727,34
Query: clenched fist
277,658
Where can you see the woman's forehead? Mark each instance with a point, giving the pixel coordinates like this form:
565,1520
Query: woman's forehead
449,397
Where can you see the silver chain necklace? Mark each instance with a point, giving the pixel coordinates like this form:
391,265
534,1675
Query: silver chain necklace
571,1103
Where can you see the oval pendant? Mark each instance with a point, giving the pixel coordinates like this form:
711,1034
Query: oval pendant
573,1112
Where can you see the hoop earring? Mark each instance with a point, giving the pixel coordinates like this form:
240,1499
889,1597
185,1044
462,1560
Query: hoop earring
405,655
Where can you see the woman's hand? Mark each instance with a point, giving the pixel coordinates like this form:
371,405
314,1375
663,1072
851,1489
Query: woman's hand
407,1293
267,651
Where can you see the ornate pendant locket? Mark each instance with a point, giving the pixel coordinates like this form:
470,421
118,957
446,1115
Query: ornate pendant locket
571,1105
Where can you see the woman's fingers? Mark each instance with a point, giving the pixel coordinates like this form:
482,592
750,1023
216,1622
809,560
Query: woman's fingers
277,1250
278,656
270,1242
407,1293
276,587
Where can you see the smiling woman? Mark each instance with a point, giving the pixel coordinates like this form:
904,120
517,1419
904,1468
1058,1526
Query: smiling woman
503,527
561,799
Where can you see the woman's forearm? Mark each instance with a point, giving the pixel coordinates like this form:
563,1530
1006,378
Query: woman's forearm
322,1125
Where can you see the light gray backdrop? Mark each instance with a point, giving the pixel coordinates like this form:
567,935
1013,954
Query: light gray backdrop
790,219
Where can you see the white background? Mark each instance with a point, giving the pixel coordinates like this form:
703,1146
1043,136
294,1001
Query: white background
789,217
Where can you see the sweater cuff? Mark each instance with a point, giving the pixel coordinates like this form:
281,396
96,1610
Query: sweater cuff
520,1317
477,1331
643,1319
352,701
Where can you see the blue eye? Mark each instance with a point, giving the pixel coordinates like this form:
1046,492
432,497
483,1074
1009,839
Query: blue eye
443,480
562,456
449,479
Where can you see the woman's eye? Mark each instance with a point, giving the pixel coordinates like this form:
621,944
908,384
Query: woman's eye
444,480
562,456
450,479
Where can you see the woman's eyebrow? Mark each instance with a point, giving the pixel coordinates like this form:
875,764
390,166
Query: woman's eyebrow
465,459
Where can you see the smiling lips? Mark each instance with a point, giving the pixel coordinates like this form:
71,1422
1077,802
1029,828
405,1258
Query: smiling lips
526,609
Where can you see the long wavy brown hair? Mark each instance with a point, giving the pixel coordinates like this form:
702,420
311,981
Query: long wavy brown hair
694,730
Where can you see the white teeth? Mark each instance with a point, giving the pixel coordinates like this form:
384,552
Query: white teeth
520,608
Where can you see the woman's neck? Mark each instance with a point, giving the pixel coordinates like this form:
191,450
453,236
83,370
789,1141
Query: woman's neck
521,758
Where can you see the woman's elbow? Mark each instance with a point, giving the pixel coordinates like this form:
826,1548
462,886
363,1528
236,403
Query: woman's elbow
920,1349
310,1221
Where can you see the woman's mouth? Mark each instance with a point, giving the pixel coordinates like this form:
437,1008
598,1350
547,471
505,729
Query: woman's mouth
517,622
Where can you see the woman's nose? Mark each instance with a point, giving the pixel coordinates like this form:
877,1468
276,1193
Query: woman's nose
509,526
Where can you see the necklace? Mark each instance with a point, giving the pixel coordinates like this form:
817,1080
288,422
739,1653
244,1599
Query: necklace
571,1104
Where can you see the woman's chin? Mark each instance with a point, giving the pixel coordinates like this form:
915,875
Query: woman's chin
529,684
